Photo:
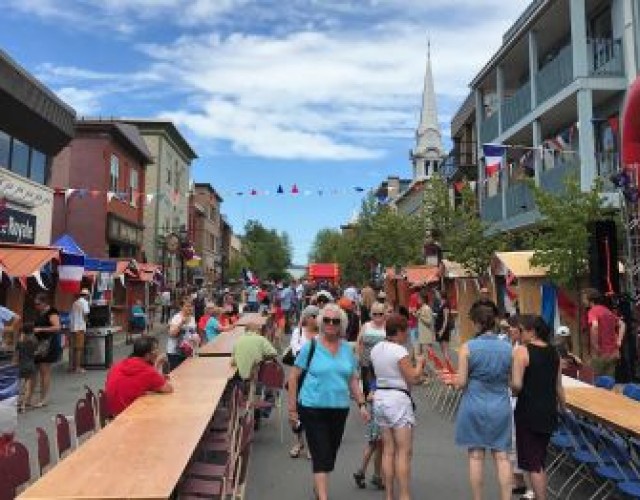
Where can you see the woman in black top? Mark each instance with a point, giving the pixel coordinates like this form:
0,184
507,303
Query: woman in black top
47,331
444,324
537,381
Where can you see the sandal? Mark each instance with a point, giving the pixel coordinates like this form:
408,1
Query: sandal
377,482
359,479
295,450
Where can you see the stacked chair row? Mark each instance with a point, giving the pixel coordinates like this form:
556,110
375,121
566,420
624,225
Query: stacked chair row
441,392
90,414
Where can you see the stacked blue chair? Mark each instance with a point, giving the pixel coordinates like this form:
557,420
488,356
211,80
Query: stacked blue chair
632,391
631,487
605,382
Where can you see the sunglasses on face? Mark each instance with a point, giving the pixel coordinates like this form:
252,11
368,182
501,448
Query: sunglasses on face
377,314
331,321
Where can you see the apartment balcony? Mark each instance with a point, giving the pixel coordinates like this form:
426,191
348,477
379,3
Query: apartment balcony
489,129
608,163
605,57
492,208
517,106
519,199
553,180
555,75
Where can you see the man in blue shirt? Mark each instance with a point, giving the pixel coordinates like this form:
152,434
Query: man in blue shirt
252,298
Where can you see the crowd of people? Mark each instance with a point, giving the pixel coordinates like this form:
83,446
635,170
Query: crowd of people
351,346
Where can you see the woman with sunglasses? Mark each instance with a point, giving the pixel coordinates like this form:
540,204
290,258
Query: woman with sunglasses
371,333
322,403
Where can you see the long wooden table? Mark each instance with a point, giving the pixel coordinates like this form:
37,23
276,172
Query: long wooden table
223,344
608,407
144,451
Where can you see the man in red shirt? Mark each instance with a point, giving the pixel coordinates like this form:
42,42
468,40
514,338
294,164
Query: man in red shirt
135,376
605,328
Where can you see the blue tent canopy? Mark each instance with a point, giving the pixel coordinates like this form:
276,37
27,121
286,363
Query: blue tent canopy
68,245
102,266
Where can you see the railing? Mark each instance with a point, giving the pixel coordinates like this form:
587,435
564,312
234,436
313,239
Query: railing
492,208
607,164
489,129
519,199
605,57
516,106
555,75
553,180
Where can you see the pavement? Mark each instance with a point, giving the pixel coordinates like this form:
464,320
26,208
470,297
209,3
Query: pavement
439,468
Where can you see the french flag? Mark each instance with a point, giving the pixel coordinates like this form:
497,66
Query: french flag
70,272
493,154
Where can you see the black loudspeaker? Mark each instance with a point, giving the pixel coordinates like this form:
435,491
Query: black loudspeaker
604,274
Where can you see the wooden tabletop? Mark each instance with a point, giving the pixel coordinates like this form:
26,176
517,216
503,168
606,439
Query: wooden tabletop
144,451
223,344
613,409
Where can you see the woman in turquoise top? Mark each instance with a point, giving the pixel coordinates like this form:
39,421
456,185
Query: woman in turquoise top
322,403
213,327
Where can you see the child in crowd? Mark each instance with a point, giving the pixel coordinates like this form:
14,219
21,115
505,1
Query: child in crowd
569,362
374,446
24,357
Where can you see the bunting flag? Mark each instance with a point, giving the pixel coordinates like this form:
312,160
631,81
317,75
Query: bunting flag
294,189
70,272
493,154
280,190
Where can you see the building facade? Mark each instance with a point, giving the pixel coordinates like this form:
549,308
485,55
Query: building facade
552,94
464,155
34,126
100,180
167,183
205,231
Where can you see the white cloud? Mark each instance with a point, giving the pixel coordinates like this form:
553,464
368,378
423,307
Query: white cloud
85,102
330,91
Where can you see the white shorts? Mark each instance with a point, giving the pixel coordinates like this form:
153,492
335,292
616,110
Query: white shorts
393,409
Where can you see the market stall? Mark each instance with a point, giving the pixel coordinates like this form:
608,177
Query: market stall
397,286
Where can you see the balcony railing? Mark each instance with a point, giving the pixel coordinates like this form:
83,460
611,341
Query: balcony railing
492,208
555,75
516,106
605,57
519,199
553,180
608,163
489,129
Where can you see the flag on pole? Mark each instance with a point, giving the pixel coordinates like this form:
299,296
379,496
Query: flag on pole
493,154
70,272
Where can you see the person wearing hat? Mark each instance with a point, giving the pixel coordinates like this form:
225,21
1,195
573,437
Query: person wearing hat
569,362
323,298
78,328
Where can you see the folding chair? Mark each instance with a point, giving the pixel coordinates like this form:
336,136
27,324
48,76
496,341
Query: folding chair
44,451
271,376
85,419
103,411
16,468
632,391
631,487
586,374
64,442
92,399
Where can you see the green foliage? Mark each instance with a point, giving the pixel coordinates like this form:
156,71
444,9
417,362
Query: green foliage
562,241
327,246
268,254
236,263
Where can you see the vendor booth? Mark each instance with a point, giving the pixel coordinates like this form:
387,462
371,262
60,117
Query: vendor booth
397,286
462,288
518,284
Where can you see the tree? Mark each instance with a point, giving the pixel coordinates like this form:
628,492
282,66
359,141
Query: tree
470,240
268,253
236,263
562,242
327,246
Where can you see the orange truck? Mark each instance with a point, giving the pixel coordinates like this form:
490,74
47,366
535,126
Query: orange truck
324,272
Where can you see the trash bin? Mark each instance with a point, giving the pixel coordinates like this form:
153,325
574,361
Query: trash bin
98,348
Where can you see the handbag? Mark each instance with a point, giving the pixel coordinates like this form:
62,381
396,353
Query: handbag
288,358
303,375
43,347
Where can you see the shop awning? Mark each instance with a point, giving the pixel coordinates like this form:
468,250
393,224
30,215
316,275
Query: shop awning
417,275
99,265
455,270
23,261
519,263
68,245
138,271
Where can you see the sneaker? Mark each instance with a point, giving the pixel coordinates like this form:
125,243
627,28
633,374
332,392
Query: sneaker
529,495
377,482
359,479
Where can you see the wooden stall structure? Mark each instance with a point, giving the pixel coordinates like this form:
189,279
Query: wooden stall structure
398,286
517,282
462,288
133,281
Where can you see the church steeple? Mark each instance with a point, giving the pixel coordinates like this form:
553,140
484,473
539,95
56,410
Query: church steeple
429,151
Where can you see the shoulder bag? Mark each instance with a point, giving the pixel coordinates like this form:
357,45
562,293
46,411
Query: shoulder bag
303,375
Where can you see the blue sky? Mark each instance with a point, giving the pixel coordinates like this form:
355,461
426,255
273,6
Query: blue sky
324,94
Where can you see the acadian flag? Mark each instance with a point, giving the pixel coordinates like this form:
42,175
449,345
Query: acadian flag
70,272
493,154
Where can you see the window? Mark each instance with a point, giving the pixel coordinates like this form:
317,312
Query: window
5,147
133,187
178,181
114,174
212,215
38,171
20,158
169,175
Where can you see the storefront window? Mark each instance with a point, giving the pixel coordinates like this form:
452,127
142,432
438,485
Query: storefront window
20,158
38,167
5,145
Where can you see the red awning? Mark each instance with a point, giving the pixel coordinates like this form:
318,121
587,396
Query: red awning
320,271
143,272
22,261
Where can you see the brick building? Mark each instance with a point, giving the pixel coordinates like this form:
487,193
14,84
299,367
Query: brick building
205,229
